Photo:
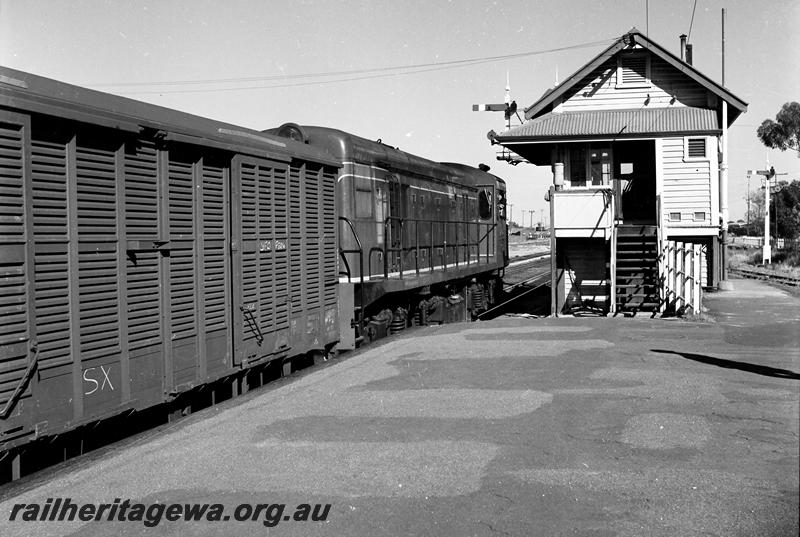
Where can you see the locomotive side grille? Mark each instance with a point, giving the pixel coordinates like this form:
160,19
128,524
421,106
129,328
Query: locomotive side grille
49,177
296,272
13,310
97,263
182,256
141,220
329,235
214,231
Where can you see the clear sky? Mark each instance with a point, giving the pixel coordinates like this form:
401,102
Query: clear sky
260,47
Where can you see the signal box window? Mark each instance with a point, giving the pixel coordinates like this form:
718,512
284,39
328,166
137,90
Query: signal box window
577,166
589,165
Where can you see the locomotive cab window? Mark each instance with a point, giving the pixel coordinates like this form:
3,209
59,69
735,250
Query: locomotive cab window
501,204
363,197
485,204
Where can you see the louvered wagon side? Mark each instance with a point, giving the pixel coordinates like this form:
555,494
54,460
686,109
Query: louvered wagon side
147,254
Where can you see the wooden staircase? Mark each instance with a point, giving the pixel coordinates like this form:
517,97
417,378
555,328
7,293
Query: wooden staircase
637,269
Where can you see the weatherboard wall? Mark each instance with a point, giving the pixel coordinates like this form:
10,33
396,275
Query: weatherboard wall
606,88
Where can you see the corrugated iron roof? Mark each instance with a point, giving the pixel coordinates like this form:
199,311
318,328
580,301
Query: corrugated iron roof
614,123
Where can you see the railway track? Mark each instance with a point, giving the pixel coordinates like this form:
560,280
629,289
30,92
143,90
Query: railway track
766,276
522,277
525,269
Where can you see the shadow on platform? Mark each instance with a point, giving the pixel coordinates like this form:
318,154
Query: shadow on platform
731,364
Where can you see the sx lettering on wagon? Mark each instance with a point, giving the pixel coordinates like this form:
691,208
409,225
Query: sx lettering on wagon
99,379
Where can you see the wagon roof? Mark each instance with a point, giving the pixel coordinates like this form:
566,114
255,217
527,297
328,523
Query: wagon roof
37,94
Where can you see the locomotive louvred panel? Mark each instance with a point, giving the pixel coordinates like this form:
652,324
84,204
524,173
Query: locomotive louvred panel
312,235
142,268
329,235
97,259
13,291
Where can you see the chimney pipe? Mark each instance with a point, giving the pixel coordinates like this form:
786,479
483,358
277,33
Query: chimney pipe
683,47
689,53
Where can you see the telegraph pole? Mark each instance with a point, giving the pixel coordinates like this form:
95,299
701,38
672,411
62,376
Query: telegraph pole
748,203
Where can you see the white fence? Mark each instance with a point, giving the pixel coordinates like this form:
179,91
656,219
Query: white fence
680,271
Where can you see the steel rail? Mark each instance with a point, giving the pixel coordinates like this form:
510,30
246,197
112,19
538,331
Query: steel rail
767,276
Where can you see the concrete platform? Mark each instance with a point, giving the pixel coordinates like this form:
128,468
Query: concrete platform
573,426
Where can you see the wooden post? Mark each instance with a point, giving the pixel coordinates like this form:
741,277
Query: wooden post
662,276
553,267
698,261
613,261
687,281
670,271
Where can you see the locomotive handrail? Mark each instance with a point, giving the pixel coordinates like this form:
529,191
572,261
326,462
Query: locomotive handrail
359,251
397,224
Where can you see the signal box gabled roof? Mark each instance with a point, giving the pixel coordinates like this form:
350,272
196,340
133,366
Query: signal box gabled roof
629,40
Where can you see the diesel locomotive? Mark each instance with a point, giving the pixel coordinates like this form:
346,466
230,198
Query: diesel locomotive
147,253
419,241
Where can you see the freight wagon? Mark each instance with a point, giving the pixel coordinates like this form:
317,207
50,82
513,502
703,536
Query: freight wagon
145,252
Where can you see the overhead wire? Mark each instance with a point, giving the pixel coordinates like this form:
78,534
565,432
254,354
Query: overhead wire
691,23
302,79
